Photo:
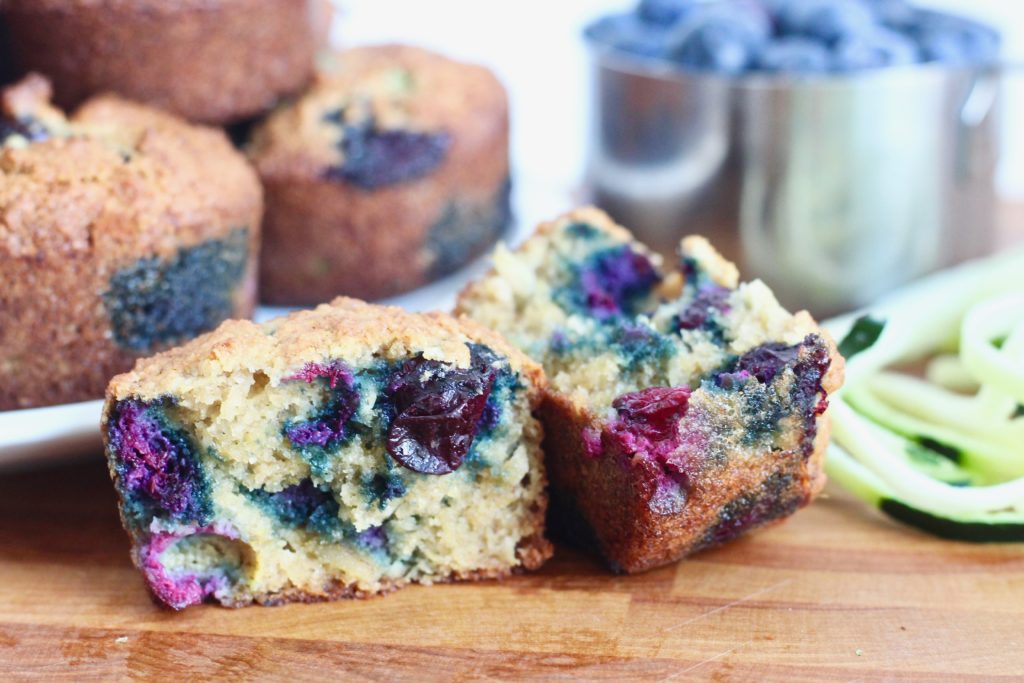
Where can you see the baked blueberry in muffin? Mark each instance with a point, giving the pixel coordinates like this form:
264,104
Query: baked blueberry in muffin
123,230
684,408
215,61
338,452
391,171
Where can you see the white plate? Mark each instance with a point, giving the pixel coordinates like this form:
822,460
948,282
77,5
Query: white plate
64,432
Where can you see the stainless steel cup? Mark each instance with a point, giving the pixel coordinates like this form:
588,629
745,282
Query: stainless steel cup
832,189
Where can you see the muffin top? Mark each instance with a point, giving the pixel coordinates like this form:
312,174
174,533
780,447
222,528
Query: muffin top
115,179
349,329
146,6
380,115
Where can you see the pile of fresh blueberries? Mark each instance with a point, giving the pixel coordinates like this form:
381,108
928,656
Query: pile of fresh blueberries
731,37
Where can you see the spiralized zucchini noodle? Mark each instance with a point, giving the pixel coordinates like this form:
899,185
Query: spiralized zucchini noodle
944,451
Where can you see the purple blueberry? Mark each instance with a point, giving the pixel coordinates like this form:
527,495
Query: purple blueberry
613,280
376,158
879,48
953,40
156,462
626,33
808,393
709,301
763,362
827,21
723,39
327,428
809,360
438,408
664,12
30,129
647,424
653,413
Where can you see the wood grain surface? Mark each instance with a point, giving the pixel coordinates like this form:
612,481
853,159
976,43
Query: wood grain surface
835,593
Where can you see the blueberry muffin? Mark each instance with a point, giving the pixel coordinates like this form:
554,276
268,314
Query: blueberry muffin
213,61
684,408
122,230
338,452
391,171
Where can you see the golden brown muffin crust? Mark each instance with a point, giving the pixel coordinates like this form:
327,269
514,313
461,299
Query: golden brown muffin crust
326,236
353,329
215,61
114,183
402,86
607,496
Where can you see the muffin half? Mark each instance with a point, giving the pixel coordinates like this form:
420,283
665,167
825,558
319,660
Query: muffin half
684,408
338,452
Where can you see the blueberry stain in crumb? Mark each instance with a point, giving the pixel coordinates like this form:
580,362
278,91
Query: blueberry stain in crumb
383,488
30,129
376,157
154,301
465,230
809,361
702,313
610,283
303,505
322,433
774,499
157,462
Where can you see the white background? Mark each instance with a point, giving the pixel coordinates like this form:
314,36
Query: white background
535,47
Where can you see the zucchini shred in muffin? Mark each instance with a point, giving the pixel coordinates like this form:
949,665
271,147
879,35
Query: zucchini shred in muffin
390,172
214,61
122,230
684,408
337,452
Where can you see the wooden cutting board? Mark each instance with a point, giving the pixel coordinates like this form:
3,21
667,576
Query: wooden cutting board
837,592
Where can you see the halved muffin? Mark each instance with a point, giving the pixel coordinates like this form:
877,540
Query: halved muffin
683,408
338,452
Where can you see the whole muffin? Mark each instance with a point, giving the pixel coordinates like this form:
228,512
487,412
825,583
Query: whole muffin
208,60
122,230
391,171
